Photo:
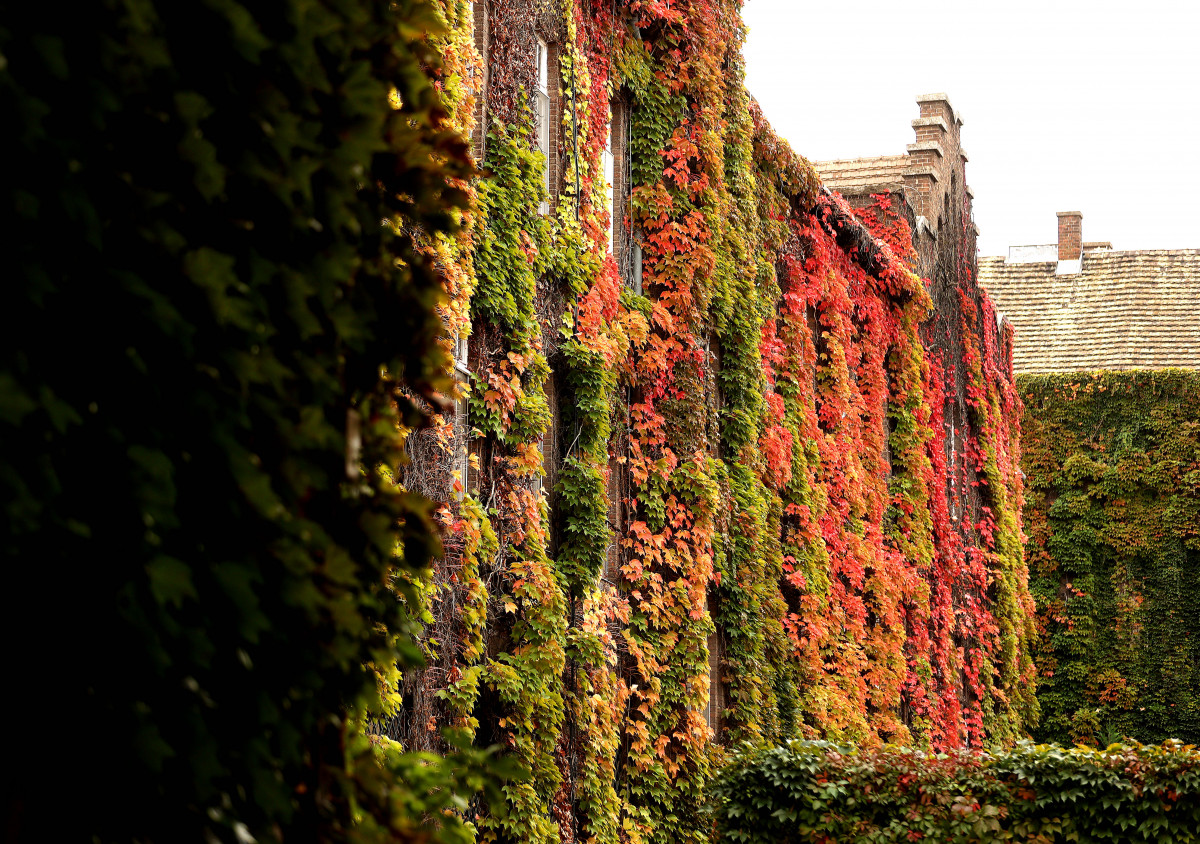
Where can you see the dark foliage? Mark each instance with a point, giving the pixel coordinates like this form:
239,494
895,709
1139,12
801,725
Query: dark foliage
201,298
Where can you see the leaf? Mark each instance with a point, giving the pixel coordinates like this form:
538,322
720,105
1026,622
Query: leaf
170,580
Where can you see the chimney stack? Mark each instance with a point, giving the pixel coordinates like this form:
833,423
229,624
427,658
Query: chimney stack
1070,235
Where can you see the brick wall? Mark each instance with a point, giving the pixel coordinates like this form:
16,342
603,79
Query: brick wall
935,182
935,156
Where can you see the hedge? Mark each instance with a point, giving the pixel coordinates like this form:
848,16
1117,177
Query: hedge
823,792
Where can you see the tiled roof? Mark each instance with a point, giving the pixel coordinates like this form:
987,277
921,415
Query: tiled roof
859,175
1125,310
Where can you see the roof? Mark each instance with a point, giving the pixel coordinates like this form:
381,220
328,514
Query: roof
1123,310
863,175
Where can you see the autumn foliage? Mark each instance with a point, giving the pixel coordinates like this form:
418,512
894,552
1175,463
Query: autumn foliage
723,504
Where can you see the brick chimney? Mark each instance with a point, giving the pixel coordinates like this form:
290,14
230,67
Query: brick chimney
1070,235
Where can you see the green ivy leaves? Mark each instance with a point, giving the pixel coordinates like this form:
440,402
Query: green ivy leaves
1114,556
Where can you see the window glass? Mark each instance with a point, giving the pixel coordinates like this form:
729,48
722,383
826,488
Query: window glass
462,450
543,66
609,174
543,116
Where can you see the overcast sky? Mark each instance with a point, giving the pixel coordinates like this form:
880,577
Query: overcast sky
1066,106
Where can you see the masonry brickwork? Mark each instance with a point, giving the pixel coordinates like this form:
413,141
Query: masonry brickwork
928,182
1070,235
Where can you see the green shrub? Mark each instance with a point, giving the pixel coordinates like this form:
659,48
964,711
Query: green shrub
822,792
200,300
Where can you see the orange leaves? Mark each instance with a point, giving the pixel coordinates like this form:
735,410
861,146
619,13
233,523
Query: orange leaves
528,247
656,203
879,600
676,155
684,161
684,237
775,445
648,12
505,389
526,461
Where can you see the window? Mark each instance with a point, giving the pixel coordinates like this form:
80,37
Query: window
952,458
889,428
462,428
543,116
461,370
462,448
715,707
616,522
609,176
549,443
625,245
353,443
635,265
478,133
539,481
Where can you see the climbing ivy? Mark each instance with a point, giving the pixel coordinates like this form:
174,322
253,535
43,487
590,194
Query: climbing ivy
748,458
1112,461
211,348
743,454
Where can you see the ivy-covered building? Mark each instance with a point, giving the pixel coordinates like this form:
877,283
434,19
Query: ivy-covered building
926,187
723,466
1107,349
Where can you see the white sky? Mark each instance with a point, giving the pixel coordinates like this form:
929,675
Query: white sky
1066,106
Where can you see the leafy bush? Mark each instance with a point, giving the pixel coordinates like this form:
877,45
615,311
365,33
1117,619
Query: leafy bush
201,300
823,792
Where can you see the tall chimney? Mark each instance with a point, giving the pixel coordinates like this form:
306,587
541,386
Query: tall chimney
1070,235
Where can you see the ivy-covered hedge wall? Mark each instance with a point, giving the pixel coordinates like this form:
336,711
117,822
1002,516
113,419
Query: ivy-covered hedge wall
203,332
1112,461
824,793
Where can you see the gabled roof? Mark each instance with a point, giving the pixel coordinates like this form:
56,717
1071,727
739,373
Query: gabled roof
1124,310
864,175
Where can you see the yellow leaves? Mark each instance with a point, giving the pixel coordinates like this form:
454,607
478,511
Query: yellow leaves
635,326
527,461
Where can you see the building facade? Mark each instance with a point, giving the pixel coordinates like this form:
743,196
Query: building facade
708,479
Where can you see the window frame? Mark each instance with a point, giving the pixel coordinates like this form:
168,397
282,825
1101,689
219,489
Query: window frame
542,115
